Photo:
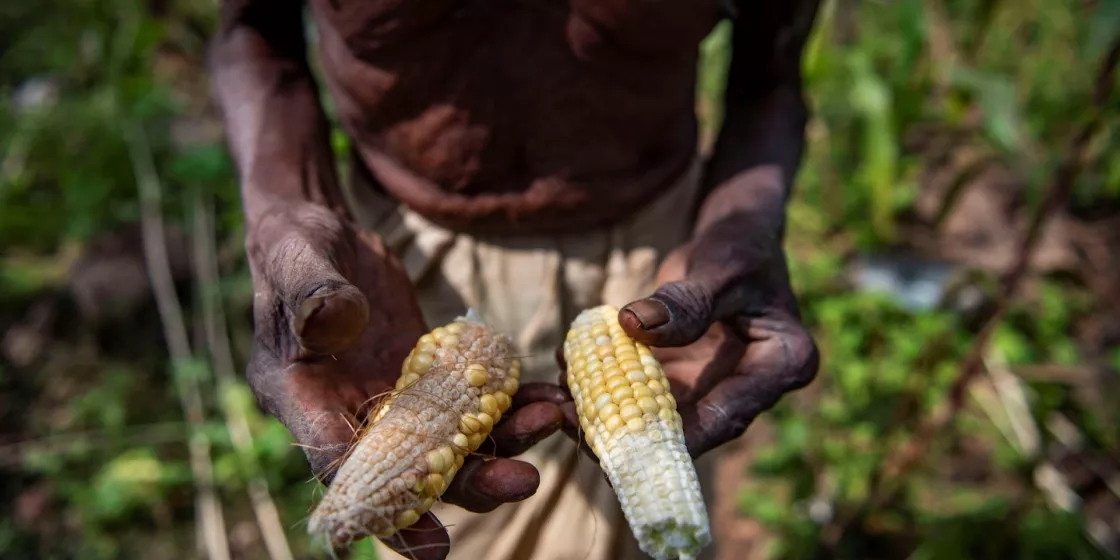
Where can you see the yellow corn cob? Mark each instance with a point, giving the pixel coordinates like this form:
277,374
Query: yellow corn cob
454,386
629,419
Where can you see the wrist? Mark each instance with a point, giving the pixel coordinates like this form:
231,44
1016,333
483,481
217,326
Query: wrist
751,203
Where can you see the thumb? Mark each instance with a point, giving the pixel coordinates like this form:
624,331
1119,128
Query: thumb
324,311
679,313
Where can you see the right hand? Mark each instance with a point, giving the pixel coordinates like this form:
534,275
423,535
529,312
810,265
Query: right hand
322,354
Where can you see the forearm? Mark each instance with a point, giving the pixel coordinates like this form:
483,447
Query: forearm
277,131
752,168
755,160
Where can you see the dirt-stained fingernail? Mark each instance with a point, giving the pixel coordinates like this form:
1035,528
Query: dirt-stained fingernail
329,321
649,314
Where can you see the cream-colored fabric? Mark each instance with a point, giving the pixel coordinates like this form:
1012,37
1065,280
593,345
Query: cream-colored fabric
532,287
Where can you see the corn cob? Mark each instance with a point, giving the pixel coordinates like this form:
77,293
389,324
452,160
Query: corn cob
454,386
630,421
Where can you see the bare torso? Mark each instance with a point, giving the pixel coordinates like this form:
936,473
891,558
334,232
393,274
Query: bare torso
517,115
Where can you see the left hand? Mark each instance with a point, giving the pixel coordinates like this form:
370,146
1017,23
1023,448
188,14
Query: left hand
725,326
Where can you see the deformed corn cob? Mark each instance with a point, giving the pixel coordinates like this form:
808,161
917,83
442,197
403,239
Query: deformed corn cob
454,386
630,421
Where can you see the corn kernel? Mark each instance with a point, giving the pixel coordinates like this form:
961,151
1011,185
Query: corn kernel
629,418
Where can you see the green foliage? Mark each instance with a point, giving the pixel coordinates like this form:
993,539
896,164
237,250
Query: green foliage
885,368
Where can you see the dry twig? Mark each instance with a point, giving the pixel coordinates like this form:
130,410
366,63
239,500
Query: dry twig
221,358
210,519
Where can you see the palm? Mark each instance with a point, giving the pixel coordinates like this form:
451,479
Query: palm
341,389
696,369
326,357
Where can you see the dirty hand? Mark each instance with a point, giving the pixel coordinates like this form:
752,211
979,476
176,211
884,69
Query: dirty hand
725,326
334,318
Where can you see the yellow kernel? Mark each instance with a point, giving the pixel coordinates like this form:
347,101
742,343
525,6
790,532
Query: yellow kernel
406,518
637,376
429,347
647,404
427,339
603,400
449,341
629,412
436,462
454,328
435,482
614,423
653,372
613,371
641,391
459,462
635,425
418,486
509,385
663,401
604,351
428,502
629,365
622,393
438,333
475,440
421,362
616,382
598,391
476,375
469,424
504,402
515,369
487,421
447,454
655,386
672,400
461,441
607,411
667,414
488,404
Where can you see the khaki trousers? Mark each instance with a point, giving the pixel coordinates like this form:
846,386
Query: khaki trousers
532,287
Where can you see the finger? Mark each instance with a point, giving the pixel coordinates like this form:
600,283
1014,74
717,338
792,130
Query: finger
713,279
323,435
330,317
539,392
302,254
781,357
425,540
483,485
525,428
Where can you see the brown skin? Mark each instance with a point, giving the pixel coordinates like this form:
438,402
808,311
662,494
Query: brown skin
510,117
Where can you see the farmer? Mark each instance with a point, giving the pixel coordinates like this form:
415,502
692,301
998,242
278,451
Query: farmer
529,159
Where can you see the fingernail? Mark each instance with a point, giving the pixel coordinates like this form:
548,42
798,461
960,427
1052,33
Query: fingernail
650,313
310,306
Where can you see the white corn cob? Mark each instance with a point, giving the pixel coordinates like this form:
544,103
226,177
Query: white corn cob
630,421
454,386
